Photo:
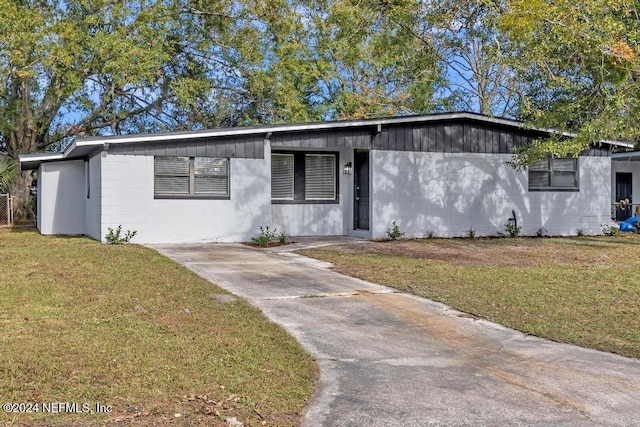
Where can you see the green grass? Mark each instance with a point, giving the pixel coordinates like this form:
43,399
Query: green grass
584,291
123,326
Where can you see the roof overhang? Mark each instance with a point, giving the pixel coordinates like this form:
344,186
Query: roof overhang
629,156
33,161
83,147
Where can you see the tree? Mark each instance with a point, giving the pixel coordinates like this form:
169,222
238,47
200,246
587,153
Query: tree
580,62
340,59
80,67
471,47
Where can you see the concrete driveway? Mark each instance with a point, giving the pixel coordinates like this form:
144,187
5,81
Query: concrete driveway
393,359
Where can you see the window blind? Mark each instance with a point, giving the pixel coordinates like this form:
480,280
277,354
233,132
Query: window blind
320,177
282,175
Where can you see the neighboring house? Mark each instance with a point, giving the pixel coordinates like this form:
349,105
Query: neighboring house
444,173
625,182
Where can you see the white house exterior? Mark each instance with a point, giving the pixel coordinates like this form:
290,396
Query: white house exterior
444,173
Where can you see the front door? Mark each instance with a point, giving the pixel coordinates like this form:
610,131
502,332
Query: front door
361,190
623,192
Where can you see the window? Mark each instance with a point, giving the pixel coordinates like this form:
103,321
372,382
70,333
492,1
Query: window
282,177
320,177
204,177
304,177
554,174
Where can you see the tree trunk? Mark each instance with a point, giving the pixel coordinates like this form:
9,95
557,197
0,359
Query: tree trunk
23,203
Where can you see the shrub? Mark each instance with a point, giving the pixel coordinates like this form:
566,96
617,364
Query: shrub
282,238
265,237
541,232
430,234
580,232
115,237
394,232
471,233
511,226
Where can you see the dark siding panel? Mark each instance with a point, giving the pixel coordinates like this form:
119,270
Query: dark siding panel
447,138
245,147
384,140
181,150
508,142
201,148
316,141
172,149
474,139
495,141
341,138
348,139
416,138
249,149
407,137
404,138
332,140
432,139
240,149
457,138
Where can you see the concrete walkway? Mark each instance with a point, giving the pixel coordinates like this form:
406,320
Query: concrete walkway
393,359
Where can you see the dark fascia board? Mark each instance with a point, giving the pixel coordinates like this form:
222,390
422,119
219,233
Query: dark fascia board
82,146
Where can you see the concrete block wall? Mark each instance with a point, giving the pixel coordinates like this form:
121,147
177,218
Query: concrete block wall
449,193
61,203
128,199
93,201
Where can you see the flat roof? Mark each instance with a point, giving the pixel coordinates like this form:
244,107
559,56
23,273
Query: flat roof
82,147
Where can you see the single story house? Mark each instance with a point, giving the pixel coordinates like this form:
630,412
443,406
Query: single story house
625,182
440,173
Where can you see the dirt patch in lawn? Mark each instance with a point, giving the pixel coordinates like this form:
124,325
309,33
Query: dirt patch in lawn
485,252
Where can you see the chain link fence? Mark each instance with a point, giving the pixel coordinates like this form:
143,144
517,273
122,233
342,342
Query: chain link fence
5,210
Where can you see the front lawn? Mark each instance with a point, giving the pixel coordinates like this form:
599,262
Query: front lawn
583,290
126,328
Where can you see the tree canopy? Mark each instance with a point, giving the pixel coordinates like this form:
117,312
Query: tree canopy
579,63
83,67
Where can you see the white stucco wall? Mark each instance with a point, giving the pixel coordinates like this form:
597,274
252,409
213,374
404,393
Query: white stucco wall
61,204
448,193
317,219
93,202
127,200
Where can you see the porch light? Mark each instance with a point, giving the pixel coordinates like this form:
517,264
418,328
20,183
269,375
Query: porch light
346,170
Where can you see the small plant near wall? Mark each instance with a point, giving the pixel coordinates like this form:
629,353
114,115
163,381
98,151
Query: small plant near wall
512,229
115,237
541,232
430,234
282,238
511,226
394,232
265,237
579,232
471,233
